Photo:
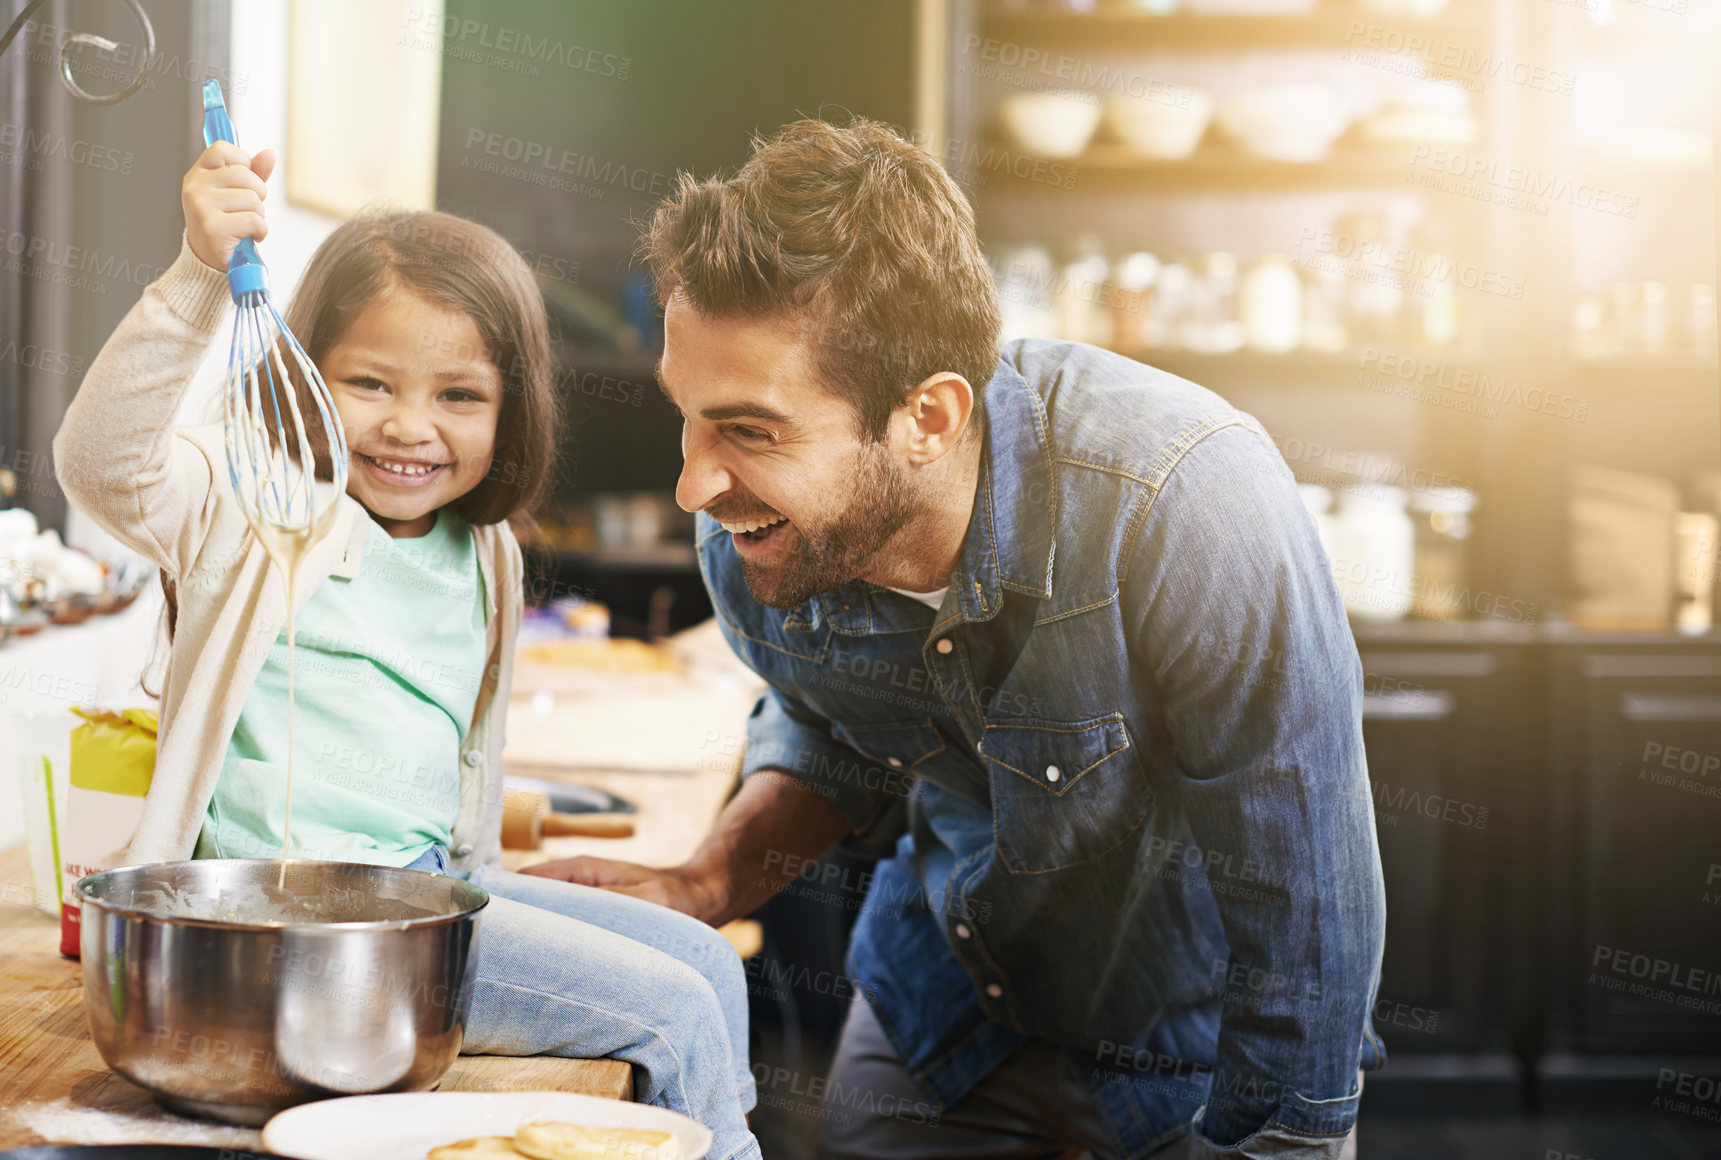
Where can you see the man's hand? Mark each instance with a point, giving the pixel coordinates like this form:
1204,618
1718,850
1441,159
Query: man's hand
675,888
772,826
222,196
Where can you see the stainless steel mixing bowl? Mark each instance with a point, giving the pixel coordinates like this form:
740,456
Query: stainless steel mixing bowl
229,999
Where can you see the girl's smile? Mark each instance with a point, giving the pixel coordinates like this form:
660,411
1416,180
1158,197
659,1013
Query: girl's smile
402,473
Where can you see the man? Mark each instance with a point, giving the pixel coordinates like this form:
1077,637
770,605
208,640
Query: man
1052,634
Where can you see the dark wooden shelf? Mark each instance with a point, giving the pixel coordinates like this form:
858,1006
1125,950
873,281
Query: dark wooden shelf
1694,173
1564,632
1218,167
1118,25
1251,367
1378,633
1312,367
1298,368
1673,372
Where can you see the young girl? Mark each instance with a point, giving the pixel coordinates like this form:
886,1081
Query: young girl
431,336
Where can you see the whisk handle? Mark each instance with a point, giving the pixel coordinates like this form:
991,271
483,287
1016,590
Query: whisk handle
246,273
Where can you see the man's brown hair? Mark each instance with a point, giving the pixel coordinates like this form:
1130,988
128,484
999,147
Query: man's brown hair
853,231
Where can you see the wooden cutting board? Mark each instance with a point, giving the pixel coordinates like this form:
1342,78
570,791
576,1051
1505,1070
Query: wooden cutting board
52,1078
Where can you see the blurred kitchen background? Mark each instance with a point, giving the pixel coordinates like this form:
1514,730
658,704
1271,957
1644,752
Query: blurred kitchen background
1459,256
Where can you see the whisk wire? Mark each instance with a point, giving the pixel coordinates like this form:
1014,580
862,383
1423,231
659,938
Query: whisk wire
263,446
271,459
269,449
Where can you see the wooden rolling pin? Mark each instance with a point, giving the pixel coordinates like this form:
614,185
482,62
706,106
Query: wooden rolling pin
527,820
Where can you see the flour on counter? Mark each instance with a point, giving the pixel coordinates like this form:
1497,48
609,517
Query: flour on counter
64,1122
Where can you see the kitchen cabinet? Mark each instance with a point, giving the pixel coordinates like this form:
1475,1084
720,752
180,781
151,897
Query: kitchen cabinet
1547,801
1634,961
1452,777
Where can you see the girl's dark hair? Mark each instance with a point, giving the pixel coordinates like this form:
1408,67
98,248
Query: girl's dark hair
460,266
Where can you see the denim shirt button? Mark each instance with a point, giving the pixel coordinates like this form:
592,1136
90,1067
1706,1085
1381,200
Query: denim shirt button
944,645
962,931
1053,773
994,990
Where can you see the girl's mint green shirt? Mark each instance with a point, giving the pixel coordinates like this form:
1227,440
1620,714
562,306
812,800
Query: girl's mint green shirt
387,674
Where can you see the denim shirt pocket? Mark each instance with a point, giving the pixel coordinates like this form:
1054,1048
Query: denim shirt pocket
1063,792
897,744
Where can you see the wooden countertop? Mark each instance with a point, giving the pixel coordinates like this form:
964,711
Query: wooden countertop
54,1087
668,741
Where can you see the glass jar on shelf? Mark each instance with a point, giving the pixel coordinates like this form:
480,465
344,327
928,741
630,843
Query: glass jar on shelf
1623,323
1132,300
1589,327
1167,306
1272,305
1700,319
1431,308
1324,311
1375,554
1656,323
1375,292
1211,325
1083,312
1442,545
1025,275
1694,548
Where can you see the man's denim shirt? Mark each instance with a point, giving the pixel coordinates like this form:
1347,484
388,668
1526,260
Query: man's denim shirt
1117,779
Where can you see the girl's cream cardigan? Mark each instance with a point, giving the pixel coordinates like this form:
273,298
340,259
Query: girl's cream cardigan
165,492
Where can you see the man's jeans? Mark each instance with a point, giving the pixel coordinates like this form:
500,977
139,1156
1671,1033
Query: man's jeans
575,971
1033,1106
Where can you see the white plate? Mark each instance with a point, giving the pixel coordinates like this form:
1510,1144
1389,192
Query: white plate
407,1125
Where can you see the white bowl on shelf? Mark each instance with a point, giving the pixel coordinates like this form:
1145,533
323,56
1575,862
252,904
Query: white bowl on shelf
1405,9
1057,123
1294,123
1157,128
1250,7
1396,126
1423,111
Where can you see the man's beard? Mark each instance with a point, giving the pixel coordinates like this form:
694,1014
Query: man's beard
837,551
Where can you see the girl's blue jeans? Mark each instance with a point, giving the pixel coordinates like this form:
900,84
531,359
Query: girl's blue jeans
576,971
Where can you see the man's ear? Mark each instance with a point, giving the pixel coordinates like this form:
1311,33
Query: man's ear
938,410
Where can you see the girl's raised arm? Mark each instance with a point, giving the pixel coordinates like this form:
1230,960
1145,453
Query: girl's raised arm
117,455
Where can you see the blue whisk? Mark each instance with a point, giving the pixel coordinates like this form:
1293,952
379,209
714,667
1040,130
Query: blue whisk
268,449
